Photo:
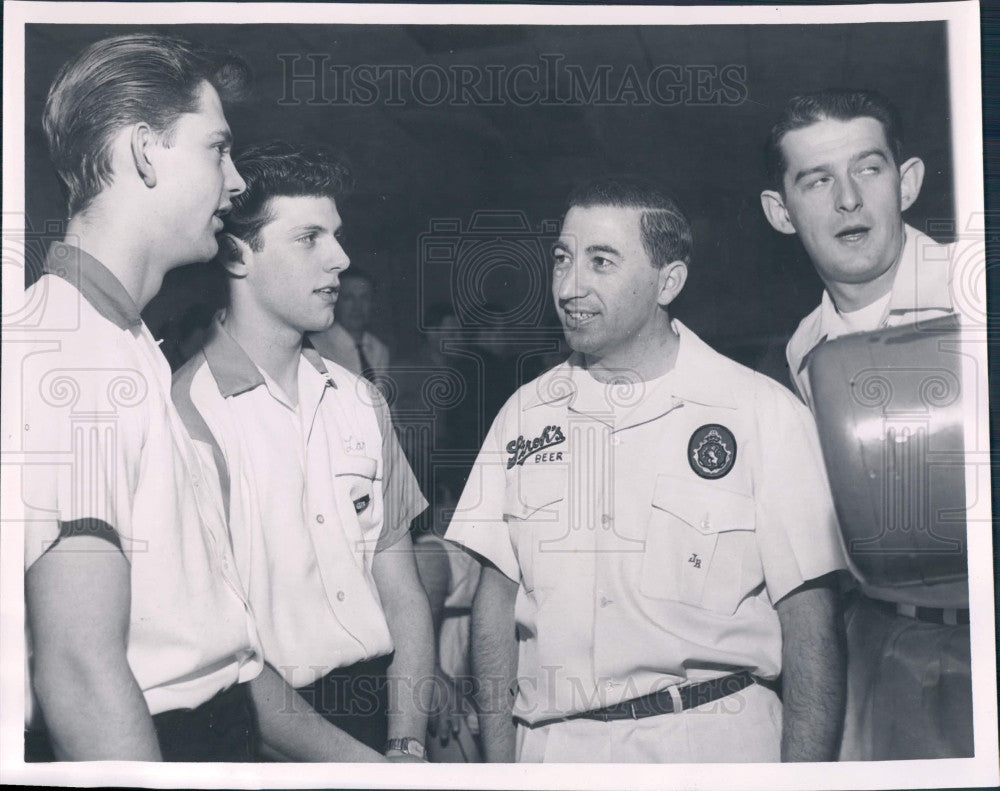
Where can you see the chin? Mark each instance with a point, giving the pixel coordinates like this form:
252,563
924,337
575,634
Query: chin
578,344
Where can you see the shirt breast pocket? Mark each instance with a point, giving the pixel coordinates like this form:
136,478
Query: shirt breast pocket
356,481
534,502
701,547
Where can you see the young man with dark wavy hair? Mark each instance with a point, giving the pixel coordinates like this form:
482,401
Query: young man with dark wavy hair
319,494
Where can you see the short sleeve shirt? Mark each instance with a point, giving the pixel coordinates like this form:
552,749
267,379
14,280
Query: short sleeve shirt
651,527
315,490
109,456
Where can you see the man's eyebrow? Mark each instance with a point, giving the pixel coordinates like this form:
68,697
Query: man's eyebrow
872,152
311,227
222,136
603,248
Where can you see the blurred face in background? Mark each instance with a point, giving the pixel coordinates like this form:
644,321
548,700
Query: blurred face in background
354,307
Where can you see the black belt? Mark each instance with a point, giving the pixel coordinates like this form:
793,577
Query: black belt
662,702
942,616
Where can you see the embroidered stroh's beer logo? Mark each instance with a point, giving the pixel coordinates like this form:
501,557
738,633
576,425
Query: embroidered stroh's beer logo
712,451
520,449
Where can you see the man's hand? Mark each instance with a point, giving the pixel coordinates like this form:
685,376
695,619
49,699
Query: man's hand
78,598
494,662
813,671
293,730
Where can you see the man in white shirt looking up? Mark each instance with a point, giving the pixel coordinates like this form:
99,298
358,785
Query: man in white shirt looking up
839,181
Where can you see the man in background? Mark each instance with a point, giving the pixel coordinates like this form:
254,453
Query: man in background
839,181
348,341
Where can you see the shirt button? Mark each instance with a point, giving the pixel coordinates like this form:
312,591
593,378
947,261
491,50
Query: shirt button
320,519
605,601
341,596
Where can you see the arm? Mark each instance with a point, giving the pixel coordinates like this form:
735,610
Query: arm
446,715
409,619
494,662
78,599
293,729
813,656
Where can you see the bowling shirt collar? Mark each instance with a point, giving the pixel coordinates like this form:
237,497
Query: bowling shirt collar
235,372
95,282
699,376
921,280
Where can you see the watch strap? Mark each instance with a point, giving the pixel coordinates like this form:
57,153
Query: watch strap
408,745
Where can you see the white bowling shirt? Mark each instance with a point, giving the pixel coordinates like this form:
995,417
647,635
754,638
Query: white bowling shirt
337,344
315,490
651,527
109,455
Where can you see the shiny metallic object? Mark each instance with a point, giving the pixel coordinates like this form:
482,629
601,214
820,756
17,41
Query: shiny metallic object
888,406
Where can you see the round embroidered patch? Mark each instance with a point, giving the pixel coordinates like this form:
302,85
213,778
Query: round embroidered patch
712,451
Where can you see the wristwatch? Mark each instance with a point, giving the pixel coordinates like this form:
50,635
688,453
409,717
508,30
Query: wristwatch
407,745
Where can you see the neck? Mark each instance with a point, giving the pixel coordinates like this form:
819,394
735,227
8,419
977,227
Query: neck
650,354
113,241
273,348
849,297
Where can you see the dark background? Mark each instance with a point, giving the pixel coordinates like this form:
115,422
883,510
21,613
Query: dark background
419,165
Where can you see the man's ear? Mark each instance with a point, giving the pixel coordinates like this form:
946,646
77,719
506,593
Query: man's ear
911,178
142,139
671,280
233,255
774,209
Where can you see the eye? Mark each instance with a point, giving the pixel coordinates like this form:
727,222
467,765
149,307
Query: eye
223,149
819,181
308,239
602,263
870,170
560,258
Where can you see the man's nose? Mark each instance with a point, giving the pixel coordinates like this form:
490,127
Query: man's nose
338,260
235,185
570,282
848,195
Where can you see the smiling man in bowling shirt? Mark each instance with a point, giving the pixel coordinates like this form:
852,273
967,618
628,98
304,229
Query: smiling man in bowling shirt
655,528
